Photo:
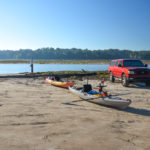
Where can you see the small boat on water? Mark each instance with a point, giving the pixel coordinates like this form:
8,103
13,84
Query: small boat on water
60,83
111,101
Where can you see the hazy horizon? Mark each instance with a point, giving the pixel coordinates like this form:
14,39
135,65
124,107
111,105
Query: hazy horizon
72,48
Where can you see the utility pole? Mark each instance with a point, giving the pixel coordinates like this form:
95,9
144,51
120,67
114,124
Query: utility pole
31,64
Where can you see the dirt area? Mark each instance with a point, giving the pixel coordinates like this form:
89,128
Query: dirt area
32,117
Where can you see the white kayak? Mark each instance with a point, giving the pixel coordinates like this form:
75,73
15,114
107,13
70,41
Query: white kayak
108,101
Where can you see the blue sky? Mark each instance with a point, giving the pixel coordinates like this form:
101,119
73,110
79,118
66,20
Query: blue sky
91,24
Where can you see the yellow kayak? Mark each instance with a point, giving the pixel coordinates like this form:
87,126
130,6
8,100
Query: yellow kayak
59,83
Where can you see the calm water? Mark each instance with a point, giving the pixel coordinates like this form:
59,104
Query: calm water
20,68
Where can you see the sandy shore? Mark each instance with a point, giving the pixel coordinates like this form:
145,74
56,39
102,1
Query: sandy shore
32,117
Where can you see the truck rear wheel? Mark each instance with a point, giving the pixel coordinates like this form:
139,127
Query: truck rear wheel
125,81
111,77
147,83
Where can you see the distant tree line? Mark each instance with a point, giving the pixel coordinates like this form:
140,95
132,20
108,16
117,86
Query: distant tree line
73,54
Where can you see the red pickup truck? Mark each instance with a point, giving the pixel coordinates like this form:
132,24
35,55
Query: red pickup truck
129,70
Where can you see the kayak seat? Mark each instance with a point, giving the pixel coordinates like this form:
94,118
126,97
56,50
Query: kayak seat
79,88
87,87
57,78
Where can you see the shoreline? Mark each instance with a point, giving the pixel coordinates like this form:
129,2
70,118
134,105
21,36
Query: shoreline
55,61
61,61
62,74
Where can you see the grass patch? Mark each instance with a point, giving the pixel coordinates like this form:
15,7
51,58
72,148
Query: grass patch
55,61
74,74
61,61
102,74
66,72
